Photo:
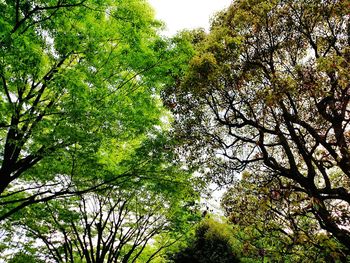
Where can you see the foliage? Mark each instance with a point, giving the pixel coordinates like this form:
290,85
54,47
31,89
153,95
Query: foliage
157,202
108,227
268,93
75,92
134,219
22,257
212,243
91,169
87,167
271,224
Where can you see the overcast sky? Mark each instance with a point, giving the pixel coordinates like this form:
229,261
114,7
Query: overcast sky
180,14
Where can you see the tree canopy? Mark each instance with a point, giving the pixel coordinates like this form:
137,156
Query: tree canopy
212,243
110,133
268,93
73,83
83,123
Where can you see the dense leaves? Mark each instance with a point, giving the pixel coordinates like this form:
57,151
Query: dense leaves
211,243
87,171
116,225
93,168
268,92
74,93
273,224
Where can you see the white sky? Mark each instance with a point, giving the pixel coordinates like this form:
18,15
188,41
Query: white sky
181,14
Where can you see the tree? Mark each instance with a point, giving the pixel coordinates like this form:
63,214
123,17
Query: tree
23,257
273,225
108,227
268,92
133,220
211,243
73,83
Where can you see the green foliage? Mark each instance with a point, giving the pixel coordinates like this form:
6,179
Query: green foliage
212,242
83,124
24,258
78,95
274,225
158,202
267,94
121,222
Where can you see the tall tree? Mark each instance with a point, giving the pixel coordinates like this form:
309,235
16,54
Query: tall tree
130,220
73,81
117,226
268,92
212,242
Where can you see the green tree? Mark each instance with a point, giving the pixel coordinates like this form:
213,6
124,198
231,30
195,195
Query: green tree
103,227
268,92
22,257
212,242
133,220
75,87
